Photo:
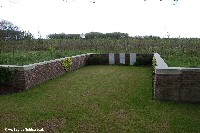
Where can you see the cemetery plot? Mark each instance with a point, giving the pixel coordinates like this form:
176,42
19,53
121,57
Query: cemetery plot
97,99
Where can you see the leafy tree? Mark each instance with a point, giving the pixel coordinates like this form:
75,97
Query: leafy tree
9,31
63,36
115,35
94,35
6,25
73,36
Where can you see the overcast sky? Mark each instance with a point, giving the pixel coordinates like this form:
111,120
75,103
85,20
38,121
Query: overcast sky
135,17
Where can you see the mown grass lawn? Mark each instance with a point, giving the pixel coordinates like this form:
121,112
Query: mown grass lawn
98,99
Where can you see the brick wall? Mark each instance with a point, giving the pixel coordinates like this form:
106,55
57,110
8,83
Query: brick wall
190,85
40,72
103,59
167,86
43,73
169,83
98,59
19,80
30,75
79,61
144,59
127,57
176,83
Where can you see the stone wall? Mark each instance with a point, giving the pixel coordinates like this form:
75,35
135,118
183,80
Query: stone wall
98,59
190,85
30,75
144,59
120,59
176,83
169,83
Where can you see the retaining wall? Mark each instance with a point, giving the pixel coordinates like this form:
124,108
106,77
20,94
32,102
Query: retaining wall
176,83
120,59
30,75
169,83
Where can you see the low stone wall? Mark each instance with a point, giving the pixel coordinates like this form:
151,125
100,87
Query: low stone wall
176,83
121,59
37,74
98,59
169,83
30,75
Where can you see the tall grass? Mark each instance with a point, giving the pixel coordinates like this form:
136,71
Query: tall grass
176,51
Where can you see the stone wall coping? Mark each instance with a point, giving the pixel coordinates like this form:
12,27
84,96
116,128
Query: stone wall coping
185,68
162,67
159,61
174,70
19,68
14,67
62,59
167,71
29,67
32,66
91,53
36,64
58,60
47,62
78,55
52,60
75,56
9,66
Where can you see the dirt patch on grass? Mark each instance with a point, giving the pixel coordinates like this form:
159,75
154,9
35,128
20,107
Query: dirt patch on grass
106,123
122,114
51,125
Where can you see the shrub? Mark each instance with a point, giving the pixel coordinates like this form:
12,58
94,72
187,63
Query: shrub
154,65
6,75
67,63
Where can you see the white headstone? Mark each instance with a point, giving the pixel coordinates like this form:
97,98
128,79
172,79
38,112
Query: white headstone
111,58
122,58
132,58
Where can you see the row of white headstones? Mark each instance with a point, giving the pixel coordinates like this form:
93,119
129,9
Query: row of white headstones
122,58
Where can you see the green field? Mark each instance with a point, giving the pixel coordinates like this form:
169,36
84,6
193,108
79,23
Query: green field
98,99
183,52
30,57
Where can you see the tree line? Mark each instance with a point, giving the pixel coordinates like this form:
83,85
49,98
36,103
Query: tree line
11,32
90,35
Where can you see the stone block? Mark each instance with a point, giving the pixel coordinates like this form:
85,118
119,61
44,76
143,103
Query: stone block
111,58
122,58
132,58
